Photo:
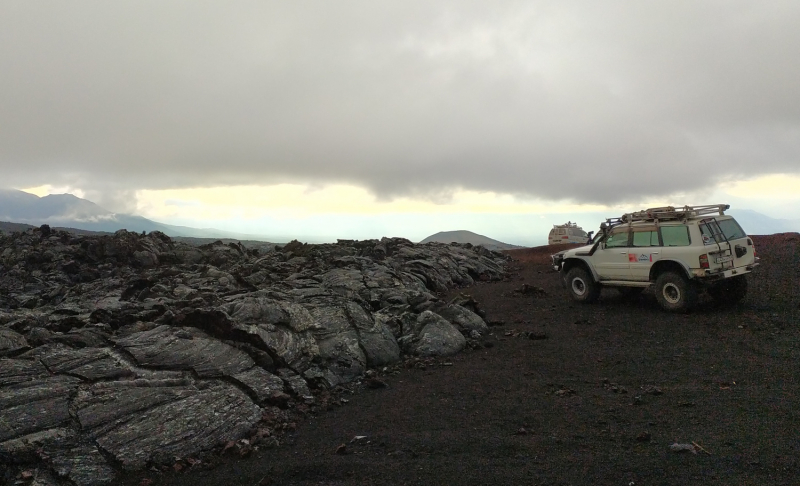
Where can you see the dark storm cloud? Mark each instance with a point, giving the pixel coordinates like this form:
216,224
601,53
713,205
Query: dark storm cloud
592,101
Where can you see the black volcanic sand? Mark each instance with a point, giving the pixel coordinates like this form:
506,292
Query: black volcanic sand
569,394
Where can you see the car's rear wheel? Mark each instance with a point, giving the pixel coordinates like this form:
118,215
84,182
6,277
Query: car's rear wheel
675,293
581,286
730,290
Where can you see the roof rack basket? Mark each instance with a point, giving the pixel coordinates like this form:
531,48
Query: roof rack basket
669,212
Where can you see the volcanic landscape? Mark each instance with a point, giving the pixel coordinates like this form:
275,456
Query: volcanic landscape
536,390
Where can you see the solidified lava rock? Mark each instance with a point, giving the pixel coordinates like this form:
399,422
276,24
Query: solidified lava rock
121,351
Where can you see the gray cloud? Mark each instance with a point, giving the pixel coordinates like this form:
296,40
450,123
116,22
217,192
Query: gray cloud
590,101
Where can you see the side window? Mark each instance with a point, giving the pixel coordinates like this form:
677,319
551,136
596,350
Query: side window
675,235
645,238
618,239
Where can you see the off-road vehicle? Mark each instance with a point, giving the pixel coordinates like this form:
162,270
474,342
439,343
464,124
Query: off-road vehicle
678,251
566,233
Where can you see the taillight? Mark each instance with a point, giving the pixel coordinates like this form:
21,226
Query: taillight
704,261
750,243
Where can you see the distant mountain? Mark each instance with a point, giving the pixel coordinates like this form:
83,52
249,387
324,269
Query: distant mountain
69,211
754,223
19,205
463,236
263,246
13,227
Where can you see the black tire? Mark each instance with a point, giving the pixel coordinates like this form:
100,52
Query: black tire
675,293
729,291
630,292
581,286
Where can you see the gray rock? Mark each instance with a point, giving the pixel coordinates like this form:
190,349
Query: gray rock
282,328
14,371
179,421
84,466
33,406
184,292
296,384
11,342
347,282
109,403
267,387
44,478
464,319
185,348
376,339
145,259
321,377
88,363
25,446
437,336
338,342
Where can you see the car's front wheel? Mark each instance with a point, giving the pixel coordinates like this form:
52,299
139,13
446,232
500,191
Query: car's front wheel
581,286
675,293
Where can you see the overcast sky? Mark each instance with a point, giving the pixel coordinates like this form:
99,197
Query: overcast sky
586,103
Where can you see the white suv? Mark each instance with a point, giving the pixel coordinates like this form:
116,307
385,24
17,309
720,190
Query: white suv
680,251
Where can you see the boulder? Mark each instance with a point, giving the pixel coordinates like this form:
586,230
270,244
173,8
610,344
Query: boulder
437,337
462,318
281,328
137,425
11,342
185,348
89,364
35,405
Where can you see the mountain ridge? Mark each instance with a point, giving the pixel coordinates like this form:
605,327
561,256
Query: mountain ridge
71,212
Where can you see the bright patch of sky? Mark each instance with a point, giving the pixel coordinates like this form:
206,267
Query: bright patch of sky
317,214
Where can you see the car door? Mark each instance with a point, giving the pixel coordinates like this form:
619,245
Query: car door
645,250
611,257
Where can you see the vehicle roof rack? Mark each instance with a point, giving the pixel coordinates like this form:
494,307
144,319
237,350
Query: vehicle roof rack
670,212
568,224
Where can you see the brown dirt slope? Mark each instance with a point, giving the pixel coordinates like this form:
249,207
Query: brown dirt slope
567,394
538,254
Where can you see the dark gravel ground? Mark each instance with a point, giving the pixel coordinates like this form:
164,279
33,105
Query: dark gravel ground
569,394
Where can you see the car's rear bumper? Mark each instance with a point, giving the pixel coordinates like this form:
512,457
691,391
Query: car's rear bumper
712,276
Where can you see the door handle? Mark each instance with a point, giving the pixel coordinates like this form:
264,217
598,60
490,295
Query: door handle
623,253
654,252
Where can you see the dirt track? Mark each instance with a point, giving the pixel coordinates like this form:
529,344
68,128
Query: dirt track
570,394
